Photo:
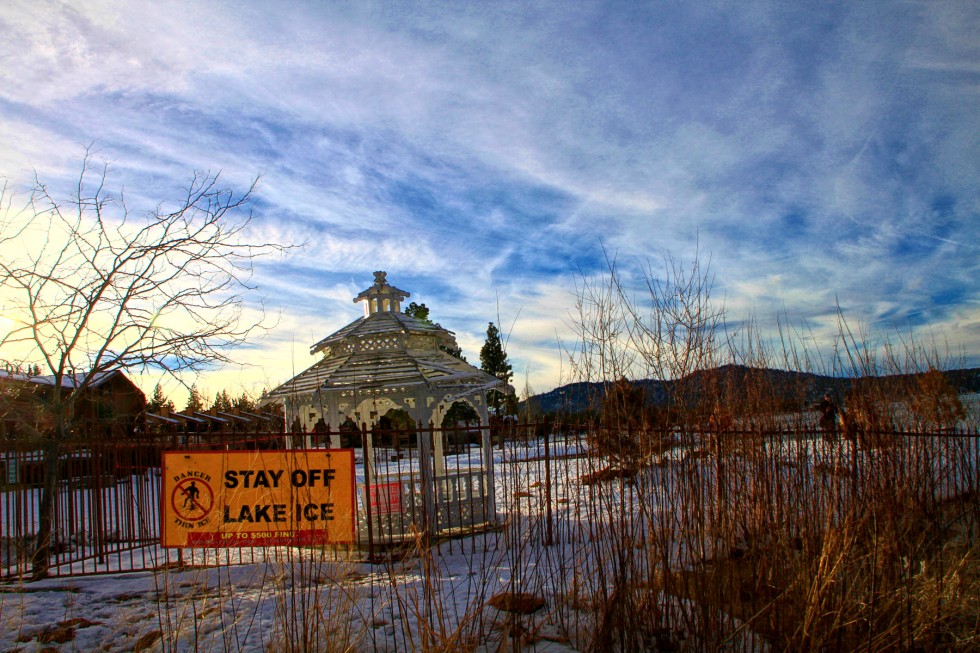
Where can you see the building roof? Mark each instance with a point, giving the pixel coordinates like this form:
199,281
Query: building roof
184,417
163,418
386,351
392,369
69,381
381,325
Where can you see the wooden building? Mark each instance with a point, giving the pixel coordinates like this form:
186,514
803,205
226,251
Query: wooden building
110,405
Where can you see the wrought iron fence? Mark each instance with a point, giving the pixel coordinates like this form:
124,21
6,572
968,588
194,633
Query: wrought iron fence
107,500
548,485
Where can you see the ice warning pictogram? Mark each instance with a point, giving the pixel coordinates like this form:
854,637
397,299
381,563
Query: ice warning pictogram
192,499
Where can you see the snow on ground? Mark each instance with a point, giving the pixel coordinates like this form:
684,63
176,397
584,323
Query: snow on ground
284,595
243,607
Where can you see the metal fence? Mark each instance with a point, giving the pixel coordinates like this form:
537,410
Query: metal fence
789,539
548,485
107,498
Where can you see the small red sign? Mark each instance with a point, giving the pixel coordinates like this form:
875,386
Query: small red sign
386,498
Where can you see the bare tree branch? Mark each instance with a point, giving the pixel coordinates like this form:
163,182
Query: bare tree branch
95,290
88,289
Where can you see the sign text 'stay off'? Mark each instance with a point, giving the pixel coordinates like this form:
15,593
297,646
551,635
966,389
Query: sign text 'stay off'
258,498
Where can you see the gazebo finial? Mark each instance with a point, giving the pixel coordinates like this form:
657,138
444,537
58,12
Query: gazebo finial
381,296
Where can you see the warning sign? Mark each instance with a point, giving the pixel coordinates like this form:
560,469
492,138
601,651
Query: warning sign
386,498
258,498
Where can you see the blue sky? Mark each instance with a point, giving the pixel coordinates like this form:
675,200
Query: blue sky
484,154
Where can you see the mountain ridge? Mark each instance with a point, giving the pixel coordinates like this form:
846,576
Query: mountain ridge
582,396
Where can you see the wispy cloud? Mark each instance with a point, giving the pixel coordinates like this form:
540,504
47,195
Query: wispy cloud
818,153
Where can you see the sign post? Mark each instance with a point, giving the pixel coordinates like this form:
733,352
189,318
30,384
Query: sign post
258,498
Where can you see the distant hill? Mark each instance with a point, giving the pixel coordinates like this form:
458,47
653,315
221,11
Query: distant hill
583,396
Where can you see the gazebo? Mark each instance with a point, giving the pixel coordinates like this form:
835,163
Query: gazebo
388,360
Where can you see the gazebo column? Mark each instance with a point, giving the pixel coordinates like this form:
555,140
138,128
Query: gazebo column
419,413
367,442
486,446
333,415
438,453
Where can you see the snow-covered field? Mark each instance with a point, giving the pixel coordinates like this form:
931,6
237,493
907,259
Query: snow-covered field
559,544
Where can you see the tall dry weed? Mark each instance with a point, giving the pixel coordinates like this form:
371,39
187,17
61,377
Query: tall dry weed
814,540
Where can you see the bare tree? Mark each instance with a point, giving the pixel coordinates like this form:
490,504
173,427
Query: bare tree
88,288
669,332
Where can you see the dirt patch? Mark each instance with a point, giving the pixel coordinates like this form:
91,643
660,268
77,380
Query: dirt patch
177,566
517,602
79,622
125,598
607,474
147,641
60,633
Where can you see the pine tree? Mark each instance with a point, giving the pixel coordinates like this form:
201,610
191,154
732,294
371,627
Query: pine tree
222,403
455,350
460,411
493,360
244,404
195,403
159,401
419,312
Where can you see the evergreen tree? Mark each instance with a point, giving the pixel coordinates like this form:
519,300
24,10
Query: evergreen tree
159,401
195,403
493,360
244,404
419,312
222,402
460,412
455,350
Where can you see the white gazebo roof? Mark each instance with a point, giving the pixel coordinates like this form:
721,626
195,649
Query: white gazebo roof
387,353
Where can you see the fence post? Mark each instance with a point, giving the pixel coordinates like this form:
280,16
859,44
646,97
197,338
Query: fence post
368,459
97,516
490,493
429,516
549,518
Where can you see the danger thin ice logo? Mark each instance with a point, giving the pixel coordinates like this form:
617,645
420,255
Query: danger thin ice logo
192,501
